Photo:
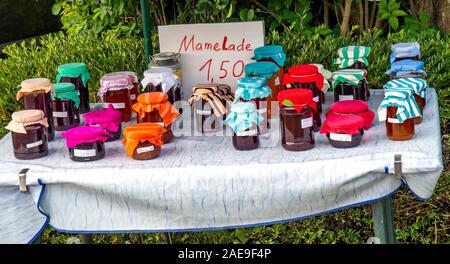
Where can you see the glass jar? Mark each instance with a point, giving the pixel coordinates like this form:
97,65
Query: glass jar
162,80
77,74
108,119
65,105
244,121
209,108
36,94
143,141
353,107
398,131
350,85
169,60
357,65
421,103
154,107
86,143
115,90
343,131
275,54
29,134
134,90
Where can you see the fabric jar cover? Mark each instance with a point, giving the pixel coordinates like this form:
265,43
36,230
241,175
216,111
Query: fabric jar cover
263,69
85,134
113,83
274,52
225,91
351,54
353,107
163,76
211,96
249,88
108,118
347,124
350,76
402,98
147,102
404,49
24,118
34,85
67,91
304,73
243,116
139,133
73,70
418,85
298,98
404,67
132,75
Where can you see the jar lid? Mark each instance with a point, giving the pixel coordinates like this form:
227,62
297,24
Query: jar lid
417,84
243,107
349,106
34,85
350,76
304,73
263,68
398,92
274,52
142,132
298,98
64,87
84,134
24,118
347,124
349,55
252,87
114,83
132,75
159,72
152,98
243,116
326,73
108,118
72,68
251,82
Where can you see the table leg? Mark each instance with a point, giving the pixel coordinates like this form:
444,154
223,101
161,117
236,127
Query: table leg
86,239
166,238
383,221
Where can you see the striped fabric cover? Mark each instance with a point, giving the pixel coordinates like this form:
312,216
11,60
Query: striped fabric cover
351,54
419,85
350,76
400,97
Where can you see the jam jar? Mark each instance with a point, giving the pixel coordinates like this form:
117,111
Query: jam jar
275,54
36,94
209,108
353,107
77,74
162,80
343,131
296,118
115,90
244,120
143,141
353,57
29,134
134,91
169,60
65,104
109,119
269,71
154,107
405,51
86,143
399,109
350,84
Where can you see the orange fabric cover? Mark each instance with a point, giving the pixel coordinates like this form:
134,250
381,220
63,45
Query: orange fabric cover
147,102
137,133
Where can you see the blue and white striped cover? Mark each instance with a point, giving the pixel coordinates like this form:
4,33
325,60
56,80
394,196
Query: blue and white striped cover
418,85
403,99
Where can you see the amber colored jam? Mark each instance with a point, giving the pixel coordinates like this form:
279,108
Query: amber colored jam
65,114
246,140
88,151
42,101
278,86
317,97
297,129
206,120
421,103
83,90
146,151
408,58
398,131
342,140
154,117
174,93
134,92
32,145
358,65
345,91
121,101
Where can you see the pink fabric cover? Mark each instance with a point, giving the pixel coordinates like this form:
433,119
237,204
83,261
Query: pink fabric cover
107,118
85,134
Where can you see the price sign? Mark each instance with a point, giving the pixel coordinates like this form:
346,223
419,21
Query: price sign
212,53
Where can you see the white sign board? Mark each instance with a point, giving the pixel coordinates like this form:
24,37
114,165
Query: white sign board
212,53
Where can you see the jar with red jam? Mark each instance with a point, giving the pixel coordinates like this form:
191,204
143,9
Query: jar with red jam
343,131
134,91
65,104
86,143
353,107
350,84
78,74
36,94
244,120
109,119
405,51
29,134
143,141
353,57
162,80
398,109
275,54
296,119
115,90
154,107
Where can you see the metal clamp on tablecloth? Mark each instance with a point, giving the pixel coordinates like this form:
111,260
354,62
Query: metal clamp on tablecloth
23,180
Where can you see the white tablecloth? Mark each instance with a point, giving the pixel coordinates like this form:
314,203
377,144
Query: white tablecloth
203,183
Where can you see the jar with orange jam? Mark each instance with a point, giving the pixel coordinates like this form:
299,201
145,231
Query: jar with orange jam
275,54
143,141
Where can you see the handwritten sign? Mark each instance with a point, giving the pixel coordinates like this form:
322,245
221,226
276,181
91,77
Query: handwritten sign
212,53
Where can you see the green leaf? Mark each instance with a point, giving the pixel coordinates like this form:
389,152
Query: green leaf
243,14
399,13
56,8
230,11
287,102
393,22
385,15
250,15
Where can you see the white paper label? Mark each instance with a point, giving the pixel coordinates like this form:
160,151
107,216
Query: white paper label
345,97
145,149
160,123
247,133
393,120
203,112
341,137
277,81
116,105
84,153
60,114
262,110
307,122
35,144
316,99
132,96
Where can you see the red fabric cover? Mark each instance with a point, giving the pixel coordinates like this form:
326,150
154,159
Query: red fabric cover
299,97
304,73
348,124
353,107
